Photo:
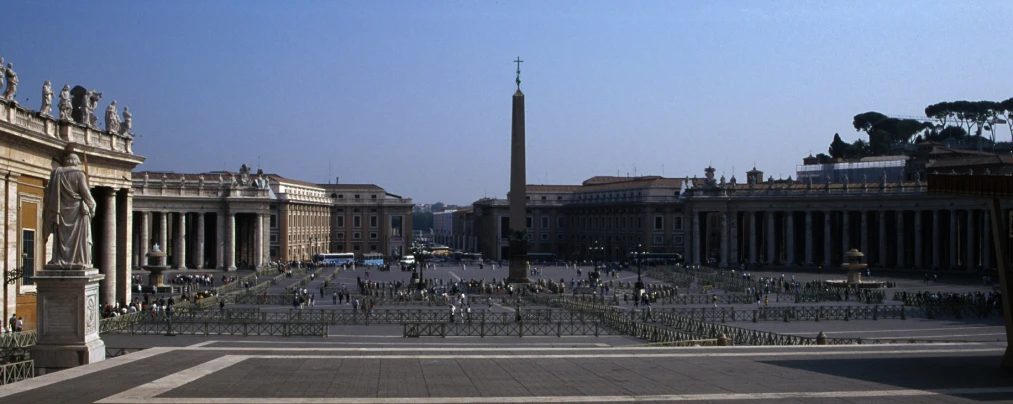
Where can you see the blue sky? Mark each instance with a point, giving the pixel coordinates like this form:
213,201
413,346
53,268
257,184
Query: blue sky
415,95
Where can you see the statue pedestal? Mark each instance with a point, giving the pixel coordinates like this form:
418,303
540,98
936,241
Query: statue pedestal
68,319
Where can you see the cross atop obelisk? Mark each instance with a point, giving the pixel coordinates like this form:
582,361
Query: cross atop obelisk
518,61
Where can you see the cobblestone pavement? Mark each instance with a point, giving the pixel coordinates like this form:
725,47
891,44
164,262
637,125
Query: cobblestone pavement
515,370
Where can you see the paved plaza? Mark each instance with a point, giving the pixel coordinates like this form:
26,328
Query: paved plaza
375,364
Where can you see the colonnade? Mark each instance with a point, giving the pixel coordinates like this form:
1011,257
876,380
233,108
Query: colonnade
201,240
954,238
111,242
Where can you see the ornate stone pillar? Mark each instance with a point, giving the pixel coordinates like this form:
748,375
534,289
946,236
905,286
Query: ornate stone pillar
971,260
733,244
179,243
882,238
199,254
230,241
900,239
826,239
935,239
753,258
864,237
163,234
107,247
953,238
986,244
808,237
918,239
789,231
124,242
258,239
768,223
696,237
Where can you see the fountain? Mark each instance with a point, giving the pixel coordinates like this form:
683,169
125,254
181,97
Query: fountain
155,266
855,268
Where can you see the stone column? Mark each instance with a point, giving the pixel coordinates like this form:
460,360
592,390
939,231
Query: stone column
768,222
845,232
935,239
753,258
258,239
808,237
230,241
200,241
163,234
971,261
918,239
696,237
107,247
986,244
789,231
220,241
864,237
882,238
900,239
9,227
180,241
733,244
826,239
124,242
953,238
145,240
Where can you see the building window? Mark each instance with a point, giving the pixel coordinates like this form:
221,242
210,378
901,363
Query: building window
374,221
373,247
340,236
545,236
341,221
559,198
356,236
28,256
659,239
373,235
659,223
356,247
545,222
678,223
543,198
559,222
341,196
559,236
395,225
274,238
529,222
356,196
356,221
677,240
373,197
274,221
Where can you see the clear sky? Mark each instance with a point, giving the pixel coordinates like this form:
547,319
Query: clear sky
415,96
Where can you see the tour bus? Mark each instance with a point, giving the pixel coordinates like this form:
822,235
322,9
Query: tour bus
408,260
372,259
335,258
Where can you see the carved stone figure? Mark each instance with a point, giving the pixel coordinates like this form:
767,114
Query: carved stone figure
244,175
47,99
66,213
200,181
66,108
145,179
128,121
112,118
12,82
918,178
1,72
845,180
92,103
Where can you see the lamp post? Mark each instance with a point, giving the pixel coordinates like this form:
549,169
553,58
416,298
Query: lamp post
640,263
420,264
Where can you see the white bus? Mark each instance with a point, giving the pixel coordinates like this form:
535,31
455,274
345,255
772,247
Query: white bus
408,260
335,258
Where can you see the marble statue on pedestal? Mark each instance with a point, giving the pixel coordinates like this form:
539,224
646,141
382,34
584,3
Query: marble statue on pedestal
66,108
12,82
128,121
1,73
67,214
112,118
47,99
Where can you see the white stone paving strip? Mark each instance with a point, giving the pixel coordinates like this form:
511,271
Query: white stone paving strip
669,351
997,327
64,375
146,392
622,355
201,344
456,278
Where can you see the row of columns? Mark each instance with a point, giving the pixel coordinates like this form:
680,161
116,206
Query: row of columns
972,251
113,243
225,243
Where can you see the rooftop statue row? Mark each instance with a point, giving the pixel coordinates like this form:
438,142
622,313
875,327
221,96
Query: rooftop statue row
77,104
243,180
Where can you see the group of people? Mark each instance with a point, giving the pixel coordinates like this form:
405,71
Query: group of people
14,324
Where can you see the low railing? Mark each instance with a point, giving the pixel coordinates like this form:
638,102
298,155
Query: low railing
17,371
15,346
211,327
521,329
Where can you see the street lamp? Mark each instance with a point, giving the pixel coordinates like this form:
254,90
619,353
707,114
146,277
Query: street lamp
420,264
640,263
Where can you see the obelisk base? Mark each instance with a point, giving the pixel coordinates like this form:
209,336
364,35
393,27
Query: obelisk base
518,270
68,319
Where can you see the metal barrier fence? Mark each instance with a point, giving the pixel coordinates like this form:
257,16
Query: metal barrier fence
862,296
412,300
382,316
17,371
15,346
521,329
210,327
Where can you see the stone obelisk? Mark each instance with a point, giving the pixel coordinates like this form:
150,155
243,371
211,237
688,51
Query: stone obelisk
518,178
